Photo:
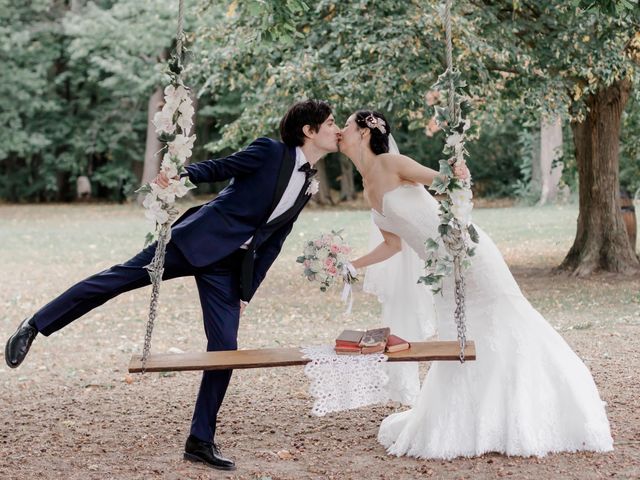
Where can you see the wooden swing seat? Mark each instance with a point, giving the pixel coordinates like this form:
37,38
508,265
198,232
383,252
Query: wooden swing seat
284,357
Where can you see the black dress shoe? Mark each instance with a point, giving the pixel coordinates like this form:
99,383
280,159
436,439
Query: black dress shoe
208,453
19,343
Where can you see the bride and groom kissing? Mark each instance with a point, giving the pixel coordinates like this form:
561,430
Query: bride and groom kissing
527,394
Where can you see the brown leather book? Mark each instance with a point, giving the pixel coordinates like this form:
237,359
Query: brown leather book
396,344
375,338
349,338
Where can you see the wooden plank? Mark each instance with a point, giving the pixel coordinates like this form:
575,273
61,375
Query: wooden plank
283,357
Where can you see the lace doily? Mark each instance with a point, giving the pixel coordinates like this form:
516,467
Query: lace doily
343,382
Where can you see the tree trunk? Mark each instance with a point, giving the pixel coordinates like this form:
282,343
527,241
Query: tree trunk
153,146
601,241
347,186
323,197
550,150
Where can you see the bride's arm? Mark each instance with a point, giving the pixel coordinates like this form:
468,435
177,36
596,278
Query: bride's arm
411,171
391,245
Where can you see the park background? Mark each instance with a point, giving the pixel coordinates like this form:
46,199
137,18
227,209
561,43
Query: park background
79,84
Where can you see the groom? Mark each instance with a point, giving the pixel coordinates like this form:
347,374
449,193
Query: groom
227,245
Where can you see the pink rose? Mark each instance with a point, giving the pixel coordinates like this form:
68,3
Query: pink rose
432,127
335,249
432,97
345,249
329,262
318,243
332,270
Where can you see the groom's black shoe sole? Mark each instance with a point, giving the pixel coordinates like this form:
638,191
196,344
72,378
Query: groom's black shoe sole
19,344
196,459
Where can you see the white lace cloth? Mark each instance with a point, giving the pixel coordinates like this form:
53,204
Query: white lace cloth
343,382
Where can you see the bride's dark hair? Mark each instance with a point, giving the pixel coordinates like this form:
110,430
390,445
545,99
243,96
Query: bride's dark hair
379,128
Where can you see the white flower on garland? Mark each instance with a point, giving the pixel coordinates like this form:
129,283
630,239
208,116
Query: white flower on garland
461,205
181,147
169,166
154,210
173,124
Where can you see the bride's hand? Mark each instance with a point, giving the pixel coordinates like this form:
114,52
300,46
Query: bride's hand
349,273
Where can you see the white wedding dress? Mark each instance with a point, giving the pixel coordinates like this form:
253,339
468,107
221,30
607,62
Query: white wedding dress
526,394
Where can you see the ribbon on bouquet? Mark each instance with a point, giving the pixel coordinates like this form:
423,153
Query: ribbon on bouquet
348,272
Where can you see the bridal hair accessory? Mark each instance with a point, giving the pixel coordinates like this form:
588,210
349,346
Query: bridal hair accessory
374,122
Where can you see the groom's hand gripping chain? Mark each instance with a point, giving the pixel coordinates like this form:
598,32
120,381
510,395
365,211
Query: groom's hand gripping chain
162,180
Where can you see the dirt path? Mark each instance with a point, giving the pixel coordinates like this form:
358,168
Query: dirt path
72,412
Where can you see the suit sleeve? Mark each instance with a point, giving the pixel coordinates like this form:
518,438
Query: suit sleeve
266,255
240,163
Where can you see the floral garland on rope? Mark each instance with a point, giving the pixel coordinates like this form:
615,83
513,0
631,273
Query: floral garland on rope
173,124
454,181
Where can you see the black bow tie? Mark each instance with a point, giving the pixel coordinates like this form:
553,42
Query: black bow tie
308,170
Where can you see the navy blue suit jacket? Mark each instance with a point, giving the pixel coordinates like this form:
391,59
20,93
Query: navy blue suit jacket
259,175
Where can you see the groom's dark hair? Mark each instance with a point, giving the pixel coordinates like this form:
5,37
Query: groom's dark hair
308,112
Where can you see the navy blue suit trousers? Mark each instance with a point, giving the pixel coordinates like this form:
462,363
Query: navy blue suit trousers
219,290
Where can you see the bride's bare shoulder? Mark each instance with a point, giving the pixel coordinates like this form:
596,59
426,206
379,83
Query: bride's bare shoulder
391,159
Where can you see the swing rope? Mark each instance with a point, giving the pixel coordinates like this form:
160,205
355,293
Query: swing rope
156,268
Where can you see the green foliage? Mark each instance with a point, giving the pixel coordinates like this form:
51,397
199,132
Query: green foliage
75,84
74,89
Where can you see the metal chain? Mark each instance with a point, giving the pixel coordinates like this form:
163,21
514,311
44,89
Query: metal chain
156,267
460,314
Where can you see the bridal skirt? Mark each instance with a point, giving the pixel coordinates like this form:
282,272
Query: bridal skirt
527,394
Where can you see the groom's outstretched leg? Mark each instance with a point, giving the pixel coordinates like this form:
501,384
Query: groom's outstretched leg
88,294
220,299
93,291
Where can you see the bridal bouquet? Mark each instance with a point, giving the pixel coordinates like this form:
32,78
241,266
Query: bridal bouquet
325,260
173,124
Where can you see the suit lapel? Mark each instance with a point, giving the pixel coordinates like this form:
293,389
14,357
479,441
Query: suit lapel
301,201
286,169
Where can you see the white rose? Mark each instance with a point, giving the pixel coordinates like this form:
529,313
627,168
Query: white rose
155,213
178,187
460,195
454,139
164,122
181,147
322,254
315,266
149,199
169,167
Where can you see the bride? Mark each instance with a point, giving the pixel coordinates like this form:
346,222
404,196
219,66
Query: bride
527,393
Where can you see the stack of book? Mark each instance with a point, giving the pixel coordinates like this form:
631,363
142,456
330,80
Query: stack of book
378,340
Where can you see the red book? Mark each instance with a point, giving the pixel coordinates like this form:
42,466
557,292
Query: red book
354,350
396,344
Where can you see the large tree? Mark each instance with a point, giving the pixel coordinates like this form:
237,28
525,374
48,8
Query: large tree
559,56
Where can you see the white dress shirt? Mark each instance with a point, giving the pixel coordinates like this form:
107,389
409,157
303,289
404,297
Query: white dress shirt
296,182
